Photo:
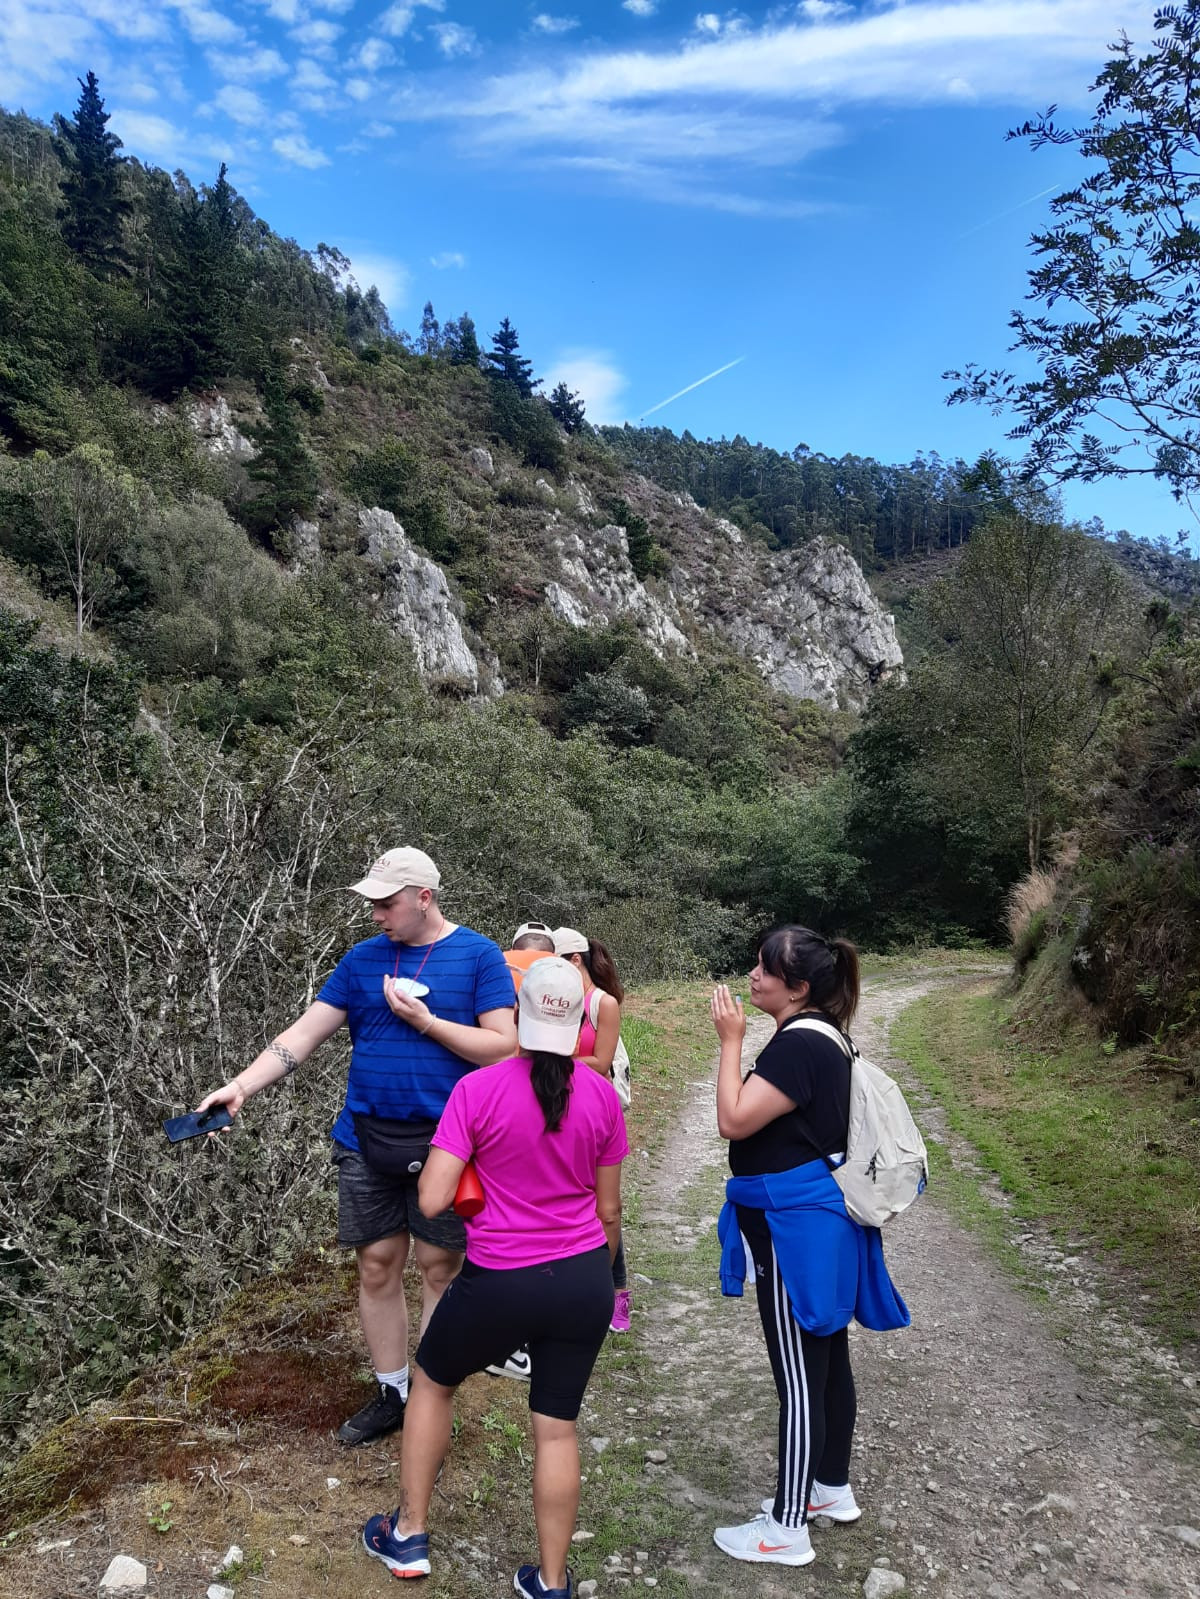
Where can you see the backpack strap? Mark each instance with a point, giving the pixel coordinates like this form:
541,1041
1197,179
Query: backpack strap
812,1024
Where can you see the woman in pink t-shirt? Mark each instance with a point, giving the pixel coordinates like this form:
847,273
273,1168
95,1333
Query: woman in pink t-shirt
547,1142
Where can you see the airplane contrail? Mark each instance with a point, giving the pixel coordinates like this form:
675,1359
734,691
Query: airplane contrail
987,222
728,365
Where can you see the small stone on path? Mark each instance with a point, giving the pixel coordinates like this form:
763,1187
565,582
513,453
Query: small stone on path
599,1444
298,1539
582,1537
881,1582
1187,1535
124,1575
333,1482
1053,1502
656,1457
232,1557
218,1590
587,1590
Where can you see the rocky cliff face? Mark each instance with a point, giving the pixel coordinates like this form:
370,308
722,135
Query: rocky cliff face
416,602
806,618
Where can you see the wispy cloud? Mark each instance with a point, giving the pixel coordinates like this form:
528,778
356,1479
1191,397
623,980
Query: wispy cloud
398,19
374,54
389,275
545,23
318,36
247,65
295,148
448,259
707,120
454,40
595,376
243,105
640,8
206,25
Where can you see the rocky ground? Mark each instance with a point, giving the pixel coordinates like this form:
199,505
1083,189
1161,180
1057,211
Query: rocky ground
1010,1443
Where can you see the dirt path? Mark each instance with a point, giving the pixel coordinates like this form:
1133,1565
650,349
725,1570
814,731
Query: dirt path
996,1455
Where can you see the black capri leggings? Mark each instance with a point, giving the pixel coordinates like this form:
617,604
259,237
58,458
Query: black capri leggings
817,1405
560,1310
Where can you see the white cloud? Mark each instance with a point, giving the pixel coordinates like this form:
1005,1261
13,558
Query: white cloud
454,40
379,130
288,11
373,54
206,26
143,93
359,89
390,276
823,10
448,259
712,25
312,87
545,23
318,36
243,105
294,147
398,19
245,65
640,8
595,377
150,137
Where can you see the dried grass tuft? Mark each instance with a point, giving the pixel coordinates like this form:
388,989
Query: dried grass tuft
1027,900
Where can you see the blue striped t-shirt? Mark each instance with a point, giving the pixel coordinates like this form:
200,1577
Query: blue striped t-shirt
395,1072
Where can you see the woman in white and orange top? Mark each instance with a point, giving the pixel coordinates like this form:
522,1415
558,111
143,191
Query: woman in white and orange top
603,993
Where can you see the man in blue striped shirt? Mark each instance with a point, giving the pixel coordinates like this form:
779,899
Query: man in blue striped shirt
406,1057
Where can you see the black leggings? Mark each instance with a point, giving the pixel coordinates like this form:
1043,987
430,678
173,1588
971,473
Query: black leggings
817,1405
559,1311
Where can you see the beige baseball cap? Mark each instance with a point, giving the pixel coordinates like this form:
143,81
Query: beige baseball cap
569,941
550,1006
397,869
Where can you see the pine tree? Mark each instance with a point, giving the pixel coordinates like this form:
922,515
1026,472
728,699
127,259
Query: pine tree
567,408
461,342
429,339
93,202
283,464
507,365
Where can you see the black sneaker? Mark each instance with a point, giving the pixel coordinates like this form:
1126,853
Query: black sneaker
376,1419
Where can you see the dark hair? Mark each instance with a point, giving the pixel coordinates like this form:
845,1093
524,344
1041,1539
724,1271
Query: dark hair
828,965
602,969
551,1076
541,941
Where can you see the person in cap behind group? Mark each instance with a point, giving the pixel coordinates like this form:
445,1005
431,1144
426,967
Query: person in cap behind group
406,1057
531,941
547,1141
598,1038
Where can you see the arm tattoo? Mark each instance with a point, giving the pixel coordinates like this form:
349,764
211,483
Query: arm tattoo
283,1053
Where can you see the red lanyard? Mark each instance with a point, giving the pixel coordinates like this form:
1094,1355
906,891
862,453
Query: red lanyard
420,968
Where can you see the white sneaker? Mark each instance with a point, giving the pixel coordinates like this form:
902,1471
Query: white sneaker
518,1365
838,1504
764,1540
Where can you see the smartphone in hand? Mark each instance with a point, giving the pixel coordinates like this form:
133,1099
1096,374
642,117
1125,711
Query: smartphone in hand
196,1122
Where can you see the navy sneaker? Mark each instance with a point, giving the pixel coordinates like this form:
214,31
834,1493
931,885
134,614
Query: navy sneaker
528,1581
404,1557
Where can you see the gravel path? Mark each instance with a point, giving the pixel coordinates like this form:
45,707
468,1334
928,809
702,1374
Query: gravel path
1007,1445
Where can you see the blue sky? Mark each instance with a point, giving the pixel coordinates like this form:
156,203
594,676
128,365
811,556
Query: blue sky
819,192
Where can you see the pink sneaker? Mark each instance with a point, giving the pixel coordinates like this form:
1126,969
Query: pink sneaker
620,1316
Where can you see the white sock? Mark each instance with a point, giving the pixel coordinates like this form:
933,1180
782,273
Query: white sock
395,1379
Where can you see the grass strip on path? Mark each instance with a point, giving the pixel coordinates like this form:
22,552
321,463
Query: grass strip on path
1078,1138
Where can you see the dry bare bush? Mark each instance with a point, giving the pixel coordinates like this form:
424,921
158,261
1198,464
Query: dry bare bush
193,911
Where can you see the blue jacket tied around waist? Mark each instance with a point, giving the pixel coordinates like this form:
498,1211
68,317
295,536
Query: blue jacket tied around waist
833,1269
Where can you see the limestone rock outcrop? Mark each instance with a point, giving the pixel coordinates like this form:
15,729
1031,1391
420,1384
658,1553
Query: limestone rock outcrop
597,583
215,429
416,603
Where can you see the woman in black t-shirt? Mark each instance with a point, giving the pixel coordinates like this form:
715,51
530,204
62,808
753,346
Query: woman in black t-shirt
791,1110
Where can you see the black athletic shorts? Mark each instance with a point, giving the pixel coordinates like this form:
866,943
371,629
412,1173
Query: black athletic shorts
560,1310
372,1206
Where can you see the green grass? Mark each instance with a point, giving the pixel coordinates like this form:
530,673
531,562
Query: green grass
1083,1140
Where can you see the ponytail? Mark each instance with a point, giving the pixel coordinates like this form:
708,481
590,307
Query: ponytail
829,966
602,970
550,1076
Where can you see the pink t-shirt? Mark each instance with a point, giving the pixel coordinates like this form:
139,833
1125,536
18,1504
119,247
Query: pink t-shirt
539,1187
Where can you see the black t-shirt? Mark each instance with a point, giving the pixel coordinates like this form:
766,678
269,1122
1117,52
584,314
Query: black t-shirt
814,1072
